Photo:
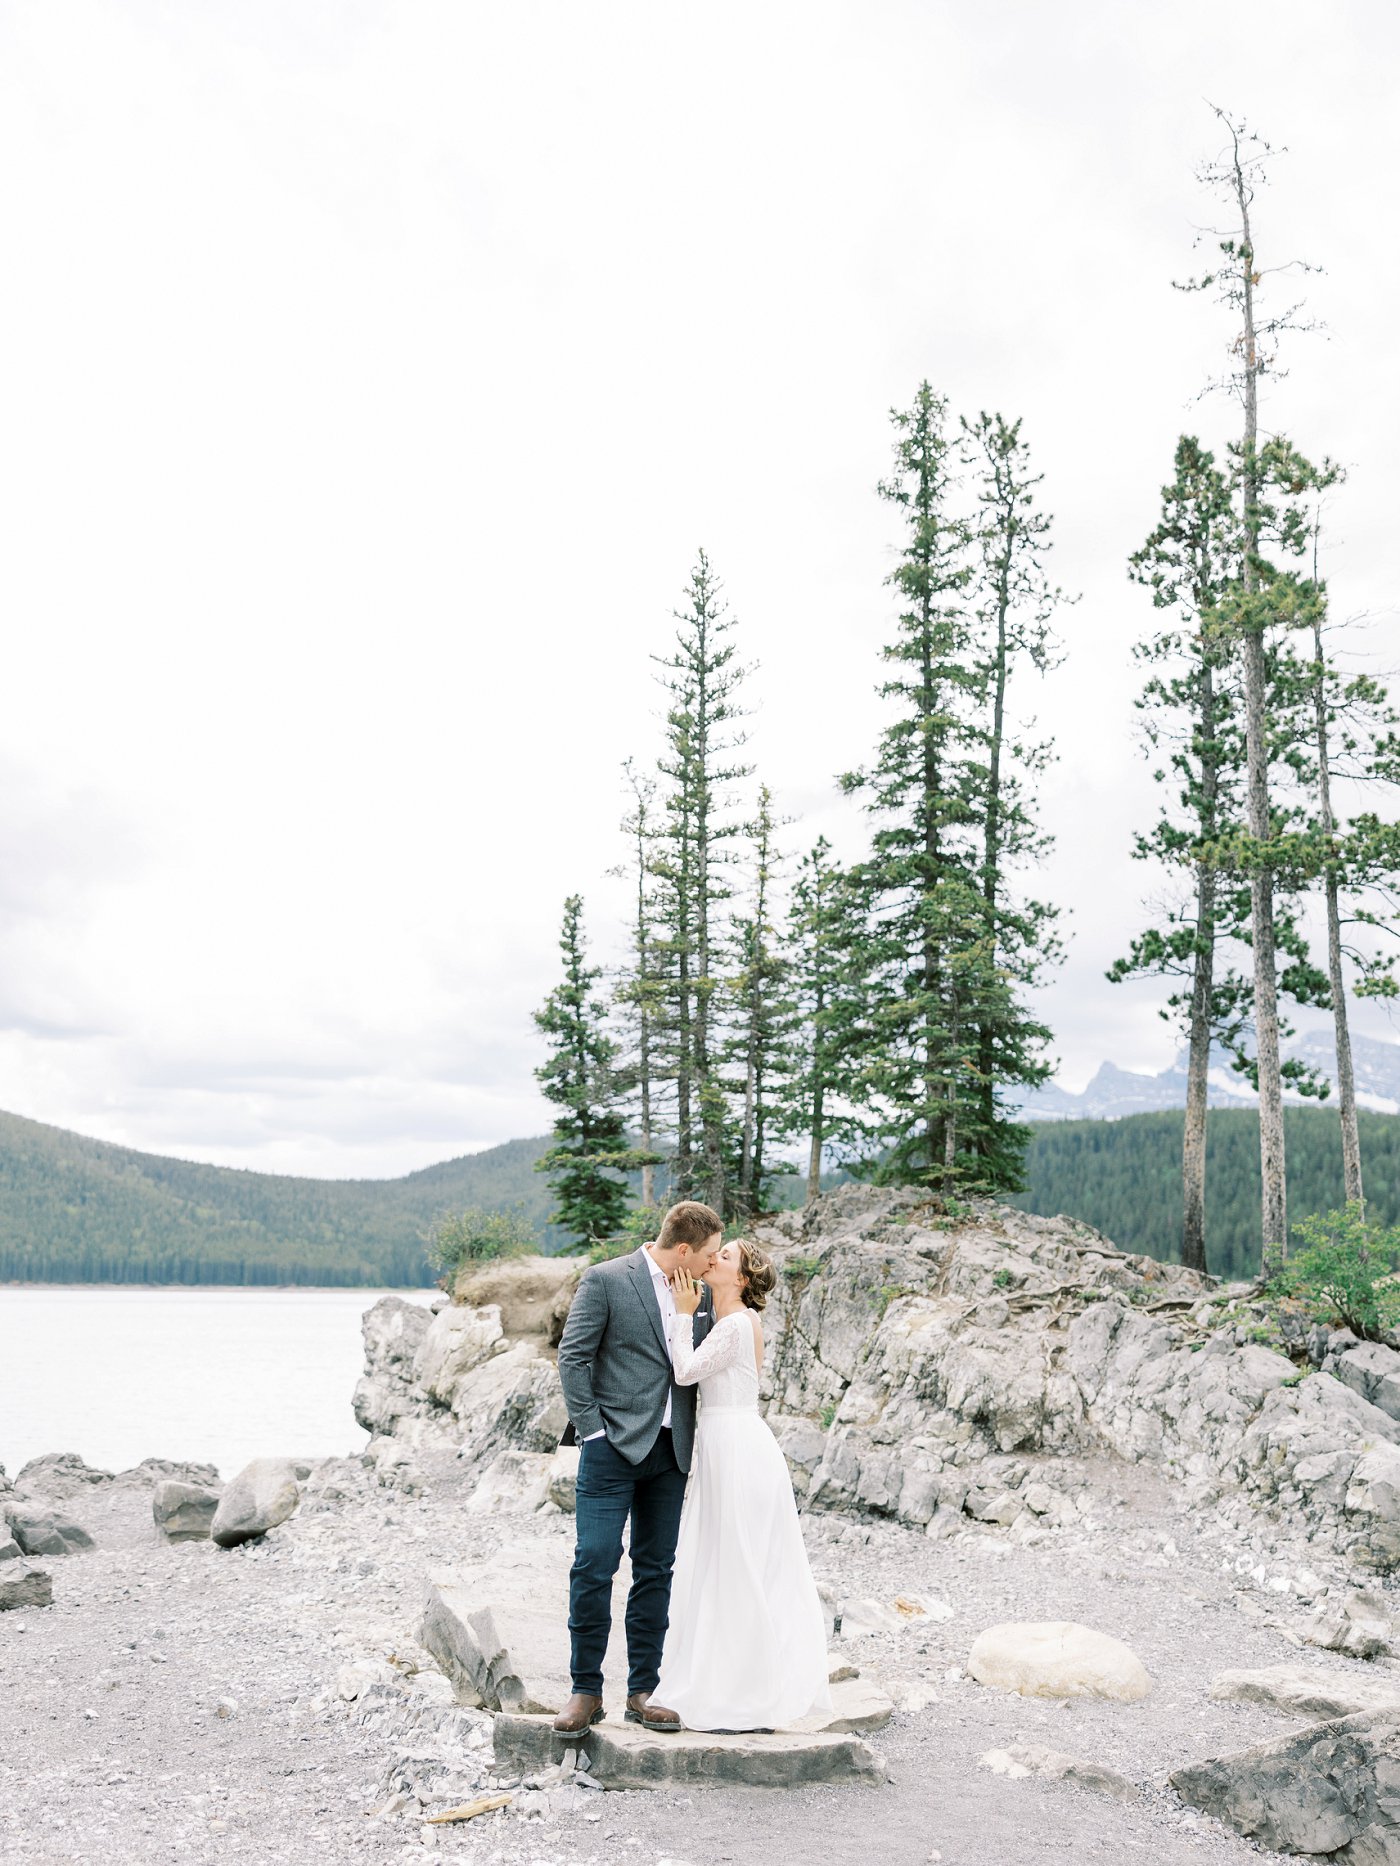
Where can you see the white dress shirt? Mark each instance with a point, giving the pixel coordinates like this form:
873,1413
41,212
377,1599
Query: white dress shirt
666,1303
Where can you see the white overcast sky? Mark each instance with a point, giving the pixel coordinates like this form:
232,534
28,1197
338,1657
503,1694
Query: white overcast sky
371,374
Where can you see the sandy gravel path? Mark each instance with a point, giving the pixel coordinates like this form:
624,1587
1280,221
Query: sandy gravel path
180,1703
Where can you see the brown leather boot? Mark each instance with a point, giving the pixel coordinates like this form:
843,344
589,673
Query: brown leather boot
640,1709
580,1711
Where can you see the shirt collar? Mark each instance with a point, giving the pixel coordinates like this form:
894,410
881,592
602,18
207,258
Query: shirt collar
651,1263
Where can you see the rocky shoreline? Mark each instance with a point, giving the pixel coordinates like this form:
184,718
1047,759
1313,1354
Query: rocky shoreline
1002,1421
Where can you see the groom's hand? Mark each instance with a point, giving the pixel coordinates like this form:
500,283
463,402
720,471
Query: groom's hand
686,1291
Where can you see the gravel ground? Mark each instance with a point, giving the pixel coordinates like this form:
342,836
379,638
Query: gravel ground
186,1703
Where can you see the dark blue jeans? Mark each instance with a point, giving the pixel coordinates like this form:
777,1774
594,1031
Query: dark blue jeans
610,1489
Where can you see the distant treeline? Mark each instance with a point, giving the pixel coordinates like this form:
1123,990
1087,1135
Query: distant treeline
74,1210
80,1210
1124,1177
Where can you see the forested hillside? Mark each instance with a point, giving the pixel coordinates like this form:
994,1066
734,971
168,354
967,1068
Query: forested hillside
80,1210
1124,1177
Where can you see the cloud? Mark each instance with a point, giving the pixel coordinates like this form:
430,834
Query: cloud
384,370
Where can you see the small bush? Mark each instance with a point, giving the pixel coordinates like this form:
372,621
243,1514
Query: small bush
478,1236
1345,1271
828,1414
802,1269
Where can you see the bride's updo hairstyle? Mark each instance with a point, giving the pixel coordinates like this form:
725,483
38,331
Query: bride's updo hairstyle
757,1276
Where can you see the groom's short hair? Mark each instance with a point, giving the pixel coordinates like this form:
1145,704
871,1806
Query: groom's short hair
690,1222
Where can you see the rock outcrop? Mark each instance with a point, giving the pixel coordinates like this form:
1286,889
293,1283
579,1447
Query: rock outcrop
1328,1789
59,1474
931,1370
458,1377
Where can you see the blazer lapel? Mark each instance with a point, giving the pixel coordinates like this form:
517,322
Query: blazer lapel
641,1283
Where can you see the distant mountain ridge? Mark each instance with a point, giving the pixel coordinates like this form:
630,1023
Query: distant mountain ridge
1115,1093
73,1209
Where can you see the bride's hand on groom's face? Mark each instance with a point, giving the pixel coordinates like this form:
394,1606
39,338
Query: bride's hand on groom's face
686,1291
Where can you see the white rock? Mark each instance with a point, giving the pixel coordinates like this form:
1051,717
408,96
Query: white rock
1024,1759
514,1480
1057,1659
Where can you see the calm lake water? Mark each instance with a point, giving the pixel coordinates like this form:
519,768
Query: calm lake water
222,1375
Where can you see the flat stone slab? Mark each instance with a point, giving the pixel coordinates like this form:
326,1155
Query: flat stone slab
1313,1691
624,1755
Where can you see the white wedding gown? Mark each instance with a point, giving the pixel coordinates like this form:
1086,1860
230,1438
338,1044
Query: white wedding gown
746,1647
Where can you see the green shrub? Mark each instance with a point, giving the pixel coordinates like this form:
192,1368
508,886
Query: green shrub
639,1227
1344,1271
828,1414
478,1236
802,1269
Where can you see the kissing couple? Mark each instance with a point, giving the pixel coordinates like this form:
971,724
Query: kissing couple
738,1640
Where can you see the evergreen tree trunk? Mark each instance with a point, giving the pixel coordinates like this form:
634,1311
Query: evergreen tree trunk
1346,1081
1274,1212
711,1110
814,1154
683,1175
929,808
645,1013
1193,1142
991,852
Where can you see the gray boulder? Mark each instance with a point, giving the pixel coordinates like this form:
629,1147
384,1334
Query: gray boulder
23,1586
263,1494
59,1474
1327,1789
41,1531
10,1550
183,1512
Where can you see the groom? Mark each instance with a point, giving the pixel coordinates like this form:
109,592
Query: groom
634,1427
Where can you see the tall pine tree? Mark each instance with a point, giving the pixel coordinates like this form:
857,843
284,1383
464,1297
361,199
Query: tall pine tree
691,864
640,988
934,986
1357,866
763,1013
1190,707
590,1138
820,933
1014,603
1256,608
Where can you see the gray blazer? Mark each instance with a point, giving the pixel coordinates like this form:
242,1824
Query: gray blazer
614,1367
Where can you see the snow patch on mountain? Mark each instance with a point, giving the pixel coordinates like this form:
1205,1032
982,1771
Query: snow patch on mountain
1114,1093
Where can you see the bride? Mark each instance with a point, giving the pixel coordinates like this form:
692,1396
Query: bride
746,1649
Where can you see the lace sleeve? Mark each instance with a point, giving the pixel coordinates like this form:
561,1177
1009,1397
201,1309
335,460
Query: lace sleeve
725,1346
